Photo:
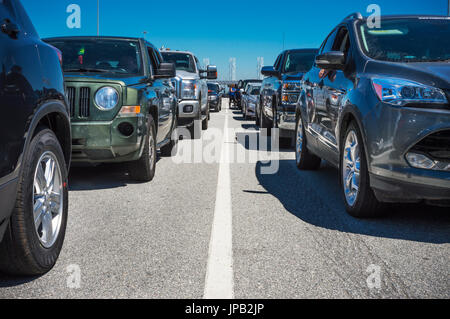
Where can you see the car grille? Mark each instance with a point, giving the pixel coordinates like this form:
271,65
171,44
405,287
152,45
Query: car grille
71,99
436,145
84,101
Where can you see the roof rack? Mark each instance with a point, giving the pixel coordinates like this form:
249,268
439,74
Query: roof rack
355,15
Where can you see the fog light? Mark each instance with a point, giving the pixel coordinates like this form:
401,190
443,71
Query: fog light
126,129
422,161
188,109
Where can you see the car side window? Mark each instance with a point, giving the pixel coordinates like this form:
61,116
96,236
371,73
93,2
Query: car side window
277,62
153,61
328,43
342,42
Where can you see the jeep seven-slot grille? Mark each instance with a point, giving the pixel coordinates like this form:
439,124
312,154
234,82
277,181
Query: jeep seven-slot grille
71,99
436,145
85,98
84,101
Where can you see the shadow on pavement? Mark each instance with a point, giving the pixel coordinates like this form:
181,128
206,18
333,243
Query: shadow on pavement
250,141
12,281
99,177
315,198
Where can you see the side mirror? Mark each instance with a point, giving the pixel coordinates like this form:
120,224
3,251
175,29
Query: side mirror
166,71
211,72
270,71
333,60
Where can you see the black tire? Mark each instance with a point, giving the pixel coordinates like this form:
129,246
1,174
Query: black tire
205,123
195,130
170,149
366,204
143,170
21,251
265,123
304,159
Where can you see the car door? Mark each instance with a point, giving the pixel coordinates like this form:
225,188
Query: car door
315,81
164,112
336,85
20,85
270,89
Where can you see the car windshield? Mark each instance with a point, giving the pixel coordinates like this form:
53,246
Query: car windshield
182,61
255,90
213,87
100,55
299,62
407,40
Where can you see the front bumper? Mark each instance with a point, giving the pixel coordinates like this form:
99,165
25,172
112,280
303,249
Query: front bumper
101,142
392,177
286,117
188,111
213,103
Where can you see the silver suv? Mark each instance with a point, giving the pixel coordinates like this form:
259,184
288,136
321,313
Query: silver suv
192,89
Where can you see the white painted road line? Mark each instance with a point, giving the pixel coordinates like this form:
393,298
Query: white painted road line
219,272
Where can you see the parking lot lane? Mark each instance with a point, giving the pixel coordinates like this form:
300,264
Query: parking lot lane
293,239
132,240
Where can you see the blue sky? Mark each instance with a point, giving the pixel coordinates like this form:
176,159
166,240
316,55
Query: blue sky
215,29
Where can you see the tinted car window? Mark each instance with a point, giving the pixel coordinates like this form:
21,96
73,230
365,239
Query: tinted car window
182,61
213,87
299,62
328,44
407,40
114,56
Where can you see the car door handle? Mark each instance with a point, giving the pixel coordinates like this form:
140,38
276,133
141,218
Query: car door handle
10,28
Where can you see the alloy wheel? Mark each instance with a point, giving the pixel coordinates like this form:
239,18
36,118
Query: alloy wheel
351,166
299,141
48,199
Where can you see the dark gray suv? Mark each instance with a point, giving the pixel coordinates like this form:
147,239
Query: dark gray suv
376,105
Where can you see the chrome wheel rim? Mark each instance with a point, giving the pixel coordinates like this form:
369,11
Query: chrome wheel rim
351,168
151,150
299,141
48,199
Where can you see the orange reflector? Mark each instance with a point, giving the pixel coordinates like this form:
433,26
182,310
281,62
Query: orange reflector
134,109
285,98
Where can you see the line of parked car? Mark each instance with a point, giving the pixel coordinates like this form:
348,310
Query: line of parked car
371,101
81,100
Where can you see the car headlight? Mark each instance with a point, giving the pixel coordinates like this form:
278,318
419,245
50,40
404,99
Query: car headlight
291,86
401,92
106,98
188,89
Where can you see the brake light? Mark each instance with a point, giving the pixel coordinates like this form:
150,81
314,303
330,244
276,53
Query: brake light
59,54
209,91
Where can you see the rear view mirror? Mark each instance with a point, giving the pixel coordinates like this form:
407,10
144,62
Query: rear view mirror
211,72
333,60
270,71
165,71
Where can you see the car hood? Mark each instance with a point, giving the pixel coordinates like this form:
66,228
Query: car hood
436,74
184,75
297,76
106,78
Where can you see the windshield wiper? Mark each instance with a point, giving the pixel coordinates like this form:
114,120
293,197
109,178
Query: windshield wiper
87,70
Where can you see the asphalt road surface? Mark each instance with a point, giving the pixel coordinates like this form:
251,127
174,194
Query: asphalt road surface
216,225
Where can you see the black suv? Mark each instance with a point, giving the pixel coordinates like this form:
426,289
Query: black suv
35,147
376,105
280,90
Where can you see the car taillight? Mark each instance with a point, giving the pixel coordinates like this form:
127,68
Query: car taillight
59,54
209,91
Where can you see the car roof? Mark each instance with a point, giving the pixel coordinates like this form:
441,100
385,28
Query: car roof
176,51
93,38
356,17
301,50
